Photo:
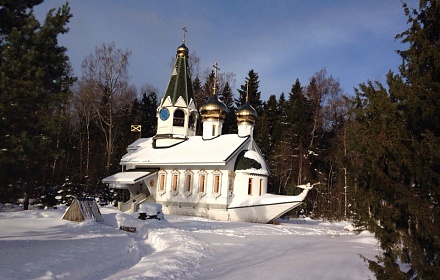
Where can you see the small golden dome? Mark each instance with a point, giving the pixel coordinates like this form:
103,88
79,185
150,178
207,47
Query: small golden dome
214,108
182,51
246,113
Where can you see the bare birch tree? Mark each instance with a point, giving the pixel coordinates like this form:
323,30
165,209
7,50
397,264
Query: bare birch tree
105,78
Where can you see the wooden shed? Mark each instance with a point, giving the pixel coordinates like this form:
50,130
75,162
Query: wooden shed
81,209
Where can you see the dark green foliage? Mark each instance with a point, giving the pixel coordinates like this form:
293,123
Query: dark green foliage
252,86
244,163
144,112
395,140
34,82
230,123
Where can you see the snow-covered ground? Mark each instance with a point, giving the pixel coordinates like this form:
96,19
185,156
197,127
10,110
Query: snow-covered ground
38,244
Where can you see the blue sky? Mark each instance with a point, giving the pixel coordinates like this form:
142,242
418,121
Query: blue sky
280,40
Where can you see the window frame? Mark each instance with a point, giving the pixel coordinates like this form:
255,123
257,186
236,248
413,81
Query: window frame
202,183
162,182
189,181
175,181
217,183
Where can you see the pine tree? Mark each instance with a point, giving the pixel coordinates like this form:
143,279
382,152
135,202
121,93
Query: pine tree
398,153
230,125
300,118
34,82
252,85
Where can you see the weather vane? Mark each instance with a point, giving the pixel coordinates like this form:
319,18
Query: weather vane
215,65
184,34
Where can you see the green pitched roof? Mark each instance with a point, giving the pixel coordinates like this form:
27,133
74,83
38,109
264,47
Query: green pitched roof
180,81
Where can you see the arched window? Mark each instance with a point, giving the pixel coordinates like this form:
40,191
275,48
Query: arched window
217,183
188,182
162,181
203,176
175,182
179,118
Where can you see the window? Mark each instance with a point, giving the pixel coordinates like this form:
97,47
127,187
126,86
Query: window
175,182
216,183
162,181
179,118
175,177
261,186
213,129
250,187
188,182
202,182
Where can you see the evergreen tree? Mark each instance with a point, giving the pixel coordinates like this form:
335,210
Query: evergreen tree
144,111
269,120
252,85
230,125
396,140
34,82
198,92
300,118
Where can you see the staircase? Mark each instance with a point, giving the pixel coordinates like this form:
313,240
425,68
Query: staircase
132,205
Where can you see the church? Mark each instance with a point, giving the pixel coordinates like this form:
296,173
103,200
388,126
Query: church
213,175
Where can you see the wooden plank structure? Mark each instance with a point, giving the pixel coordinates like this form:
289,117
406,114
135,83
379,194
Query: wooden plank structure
81,209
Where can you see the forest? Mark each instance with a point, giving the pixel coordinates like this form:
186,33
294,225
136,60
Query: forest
376,154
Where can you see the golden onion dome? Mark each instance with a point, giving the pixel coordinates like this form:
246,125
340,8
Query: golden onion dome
246,113
214,109
182,51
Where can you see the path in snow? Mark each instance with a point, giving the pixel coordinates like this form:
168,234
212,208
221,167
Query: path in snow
37,244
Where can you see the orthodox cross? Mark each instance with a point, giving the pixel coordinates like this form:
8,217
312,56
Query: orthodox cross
215,65
247,91
184,34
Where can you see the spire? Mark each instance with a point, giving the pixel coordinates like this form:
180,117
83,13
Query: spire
180,85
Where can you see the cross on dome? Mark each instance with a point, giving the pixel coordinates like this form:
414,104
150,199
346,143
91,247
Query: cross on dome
184,34
215,65
247,91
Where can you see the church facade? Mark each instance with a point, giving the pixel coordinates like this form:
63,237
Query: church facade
217,176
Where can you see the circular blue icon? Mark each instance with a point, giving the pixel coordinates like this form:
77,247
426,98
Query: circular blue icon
164,114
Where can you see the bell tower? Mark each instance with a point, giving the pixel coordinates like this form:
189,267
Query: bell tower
177,113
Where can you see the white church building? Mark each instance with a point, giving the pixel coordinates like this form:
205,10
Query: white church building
216,176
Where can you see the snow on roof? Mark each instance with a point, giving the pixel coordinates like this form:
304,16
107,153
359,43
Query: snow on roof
193,151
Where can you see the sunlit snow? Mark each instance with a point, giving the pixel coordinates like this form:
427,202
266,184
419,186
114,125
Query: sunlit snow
38,244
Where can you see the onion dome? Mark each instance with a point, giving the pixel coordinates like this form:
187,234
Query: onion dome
246,113
182,51
213,109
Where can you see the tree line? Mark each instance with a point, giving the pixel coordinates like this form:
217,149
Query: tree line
376,153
